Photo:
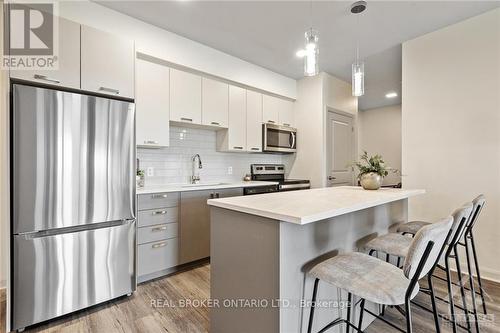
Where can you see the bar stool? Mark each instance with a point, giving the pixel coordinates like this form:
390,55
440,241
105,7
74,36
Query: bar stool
478,203
398,248
379,282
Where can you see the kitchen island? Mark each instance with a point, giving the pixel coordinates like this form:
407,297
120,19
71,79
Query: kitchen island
263,246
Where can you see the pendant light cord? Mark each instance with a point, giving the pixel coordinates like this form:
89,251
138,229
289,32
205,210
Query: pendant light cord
357,38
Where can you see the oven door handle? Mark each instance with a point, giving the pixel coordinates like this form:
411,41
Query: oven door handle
293,140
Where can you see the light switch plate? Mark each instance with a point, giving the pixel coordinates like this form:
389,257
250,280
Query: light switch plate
150,171
230,170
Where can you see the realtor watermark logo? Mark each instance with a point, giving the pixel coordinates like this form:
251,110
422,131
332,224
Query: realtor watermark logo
30,36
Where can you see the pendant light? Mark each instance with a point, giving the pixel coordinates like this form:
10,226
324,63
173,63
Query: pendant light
310,53
358,67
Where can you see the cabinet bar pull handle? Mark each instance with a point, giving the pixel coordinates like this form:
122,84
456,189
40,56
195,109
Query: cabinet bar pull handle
286,124
160,212
45,78
254,149
157,245
237,147
159,228
271,121
215,123
186,119
159,196
110,90
151,142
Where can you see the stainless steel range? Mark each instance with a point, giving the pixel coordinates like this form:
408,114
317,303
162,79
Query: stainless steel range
274,173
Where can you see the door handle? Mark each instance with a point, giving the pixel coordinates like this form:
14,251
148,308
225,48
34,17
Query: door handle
331,178
110,90
157,245
45,78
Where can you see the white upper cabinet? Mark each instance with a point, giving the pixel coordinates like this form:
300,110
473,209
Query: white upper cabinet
185,97
107,63
254,121
237,118
234,138
152,104
214,103
270,109
68,72
286,117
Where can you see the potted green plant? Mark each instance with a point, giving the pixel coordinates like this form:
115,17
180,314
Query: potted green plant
140,178
372,170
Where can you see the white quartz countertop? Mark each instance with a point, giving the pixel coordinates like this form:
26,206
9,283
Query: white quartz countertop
200,186
306,206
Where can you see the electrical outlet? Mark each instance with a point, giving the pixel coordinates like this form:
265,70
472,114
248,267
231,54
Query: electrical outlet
229,170
150,171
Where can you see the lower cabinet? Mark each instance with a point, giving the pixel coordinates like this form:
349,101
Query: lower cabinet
157,234
194,231
173,229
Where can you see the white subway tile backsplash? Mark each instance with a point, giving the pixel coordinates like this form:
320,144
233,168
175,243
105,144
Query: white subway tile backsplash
173,164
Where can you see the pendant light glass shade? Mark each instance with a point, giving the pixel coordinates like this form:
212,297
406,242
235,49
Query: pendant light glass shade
311,53
358,79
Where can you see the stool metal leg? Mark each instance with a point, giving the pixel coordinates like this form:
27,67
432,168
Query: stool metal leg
450,296
313,305
433,302
476,264
462,290
349,301
409,328
471,281
361,311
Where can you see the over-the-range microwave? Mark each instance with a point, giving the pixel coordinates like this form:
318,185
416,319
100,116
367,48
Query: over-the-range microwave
281,139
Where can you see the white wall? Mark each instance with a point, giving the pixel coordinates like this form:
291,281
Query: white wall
379,132
451,125
315,96
165,45
308,112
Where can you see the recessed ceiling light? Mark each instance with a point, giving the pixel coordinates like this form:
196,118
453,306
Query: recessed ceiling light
391,94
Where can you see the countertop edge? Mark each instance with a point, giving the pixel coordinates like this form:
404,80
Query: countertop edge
311,218
179,188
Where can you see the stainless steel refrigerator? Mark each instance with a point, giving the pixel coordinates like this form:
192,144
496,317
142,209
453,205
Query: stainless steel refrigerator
73,202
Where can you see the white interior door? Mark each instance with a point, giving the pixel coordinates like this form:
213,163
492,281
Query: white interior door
340,149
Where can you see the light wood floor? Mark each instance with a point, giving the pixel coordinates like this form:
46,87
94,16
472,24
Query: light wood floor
136,314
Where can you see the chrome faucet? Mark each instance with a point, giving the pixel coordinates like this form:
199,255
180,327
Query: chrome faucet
195,178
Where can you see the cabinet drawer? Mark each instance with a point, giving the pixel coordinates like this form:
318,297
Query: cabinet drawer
156,256
157,200
157,232
157,216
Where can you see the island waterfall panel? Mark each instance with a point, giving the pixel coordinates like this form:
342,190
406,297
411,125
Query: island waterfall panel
259,266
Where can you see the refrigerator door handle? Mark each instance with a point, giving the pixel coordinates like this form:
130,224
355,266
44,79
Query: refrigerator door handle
60,231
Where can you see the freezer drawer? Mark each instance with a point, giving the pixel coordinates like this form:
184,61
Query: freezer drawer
58,274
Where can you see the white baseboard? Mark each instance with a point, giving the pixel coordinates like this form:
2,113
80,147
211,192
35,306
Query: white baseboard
486,273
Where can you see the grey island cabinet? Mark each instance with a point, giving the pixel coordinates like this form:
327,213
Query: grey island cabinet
262,247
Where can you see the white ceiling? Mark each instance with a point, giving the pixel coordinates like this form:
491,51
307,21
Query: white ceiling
268,33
